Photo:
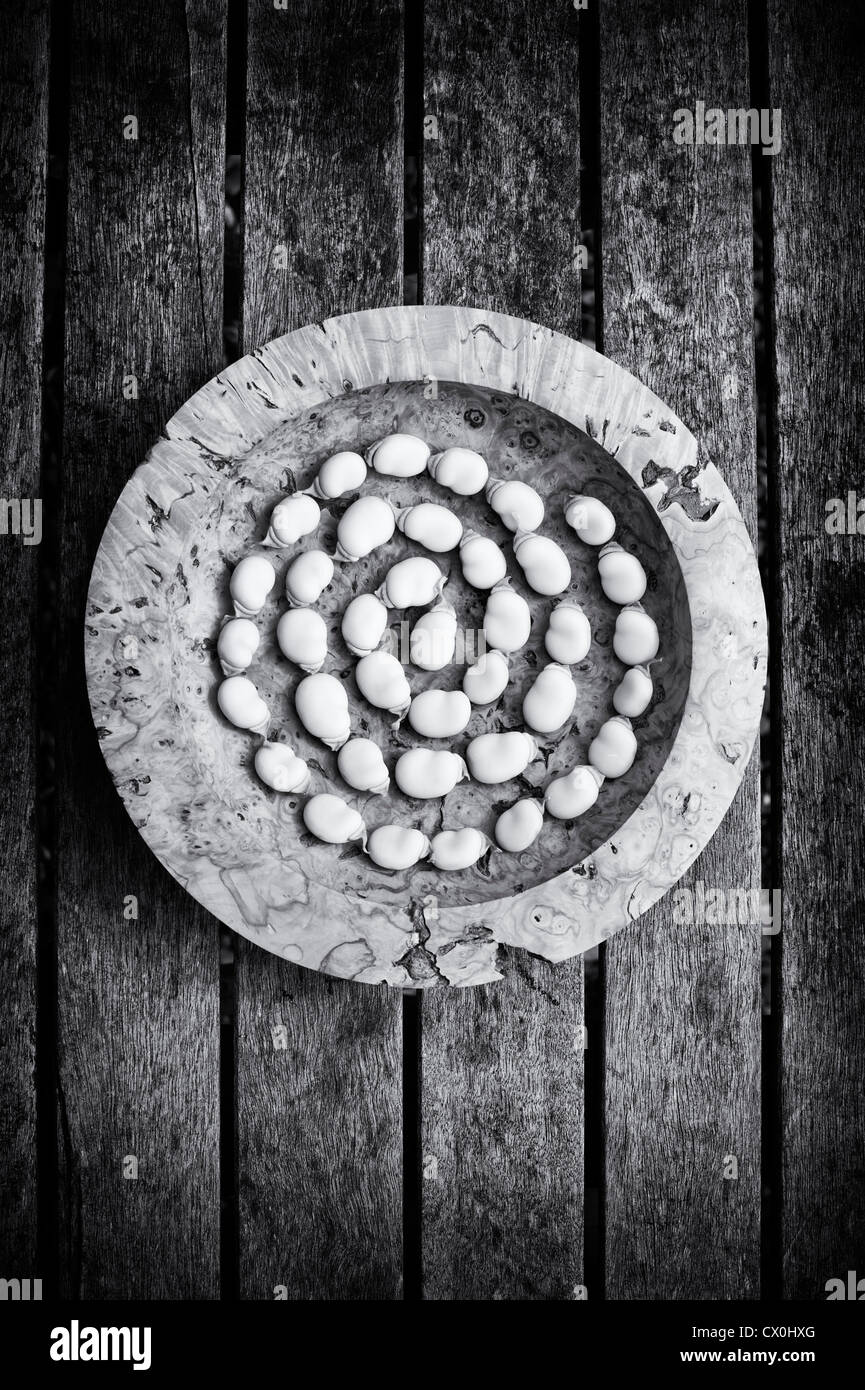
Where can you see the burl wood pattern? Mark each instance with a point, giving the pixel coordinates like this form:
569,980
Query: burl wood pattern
200,809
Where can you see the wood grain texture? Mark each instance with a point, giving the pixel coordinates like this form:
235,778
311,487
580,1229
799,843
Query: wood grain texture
320,1133
320,1120
138,999
23,140
501,180
682,1006
501,1107
815,77
324,162
502,1135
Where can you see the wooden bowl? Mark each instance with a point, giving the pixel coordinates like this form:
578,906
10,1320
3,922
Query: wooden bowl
539,407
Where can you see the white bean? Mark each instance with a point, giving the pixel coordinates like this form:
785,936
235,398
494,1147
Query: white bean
398,455
382,681
507,619
549,702
332,820
459,849
307,577
440,713
396,846
341,473
614,747
292,518
433,638
411,583
520,825
431,525
485,681
463,471
236,645
544,563
593,522
482,562
364,526
573,794
633,695
623,578
568,636
496,758
301,635
251,582
279,767
518,505
322,708
242,705
425,772
635,640
364,624
361,764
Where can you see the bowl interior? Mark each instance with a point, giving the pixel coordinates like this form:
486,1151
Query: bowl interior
519,440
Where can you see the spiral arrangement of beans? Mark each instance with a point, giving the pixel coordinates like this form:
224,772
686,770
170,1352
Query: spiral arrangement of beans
321,701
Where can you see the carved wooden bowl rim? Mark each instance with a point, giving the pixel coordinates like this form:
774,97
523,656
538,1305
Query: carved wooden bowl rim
649,852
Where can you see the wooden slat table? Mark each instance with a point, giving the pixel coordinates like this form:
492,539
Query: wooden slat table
502,1069
23,143
677,283
138,1031
184,1117
820,614
320,1121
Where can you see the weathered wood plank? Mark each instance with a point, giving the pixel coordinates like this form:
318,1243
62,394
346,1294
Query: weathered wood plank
502,1065
501,172
502,1127
324,163
23,143
682,1006
319,1103
815,77
320,1133
138,999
